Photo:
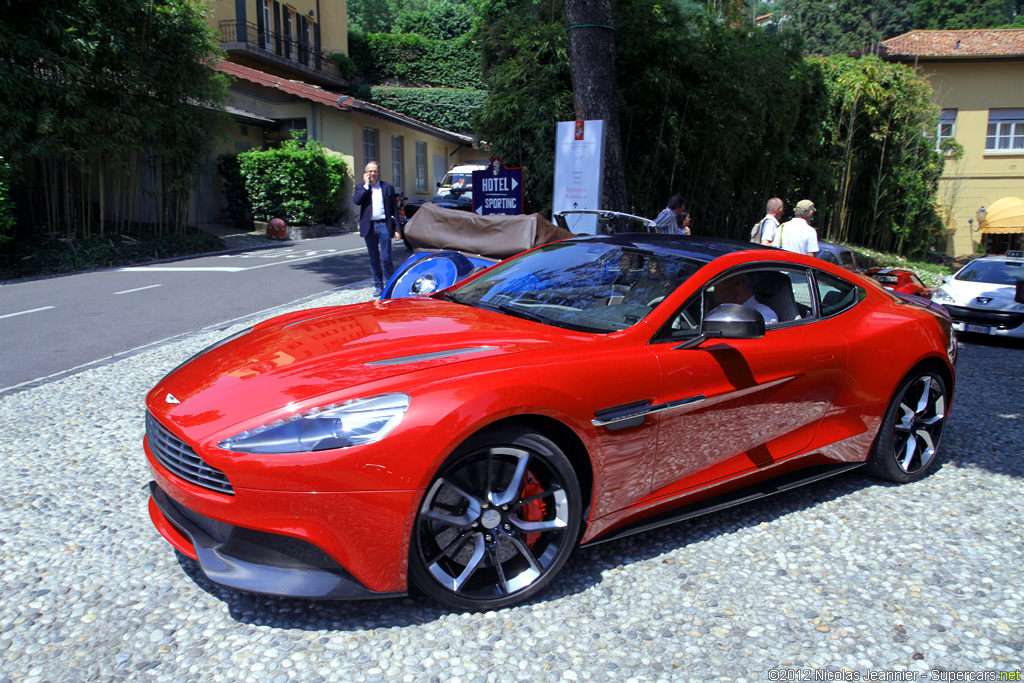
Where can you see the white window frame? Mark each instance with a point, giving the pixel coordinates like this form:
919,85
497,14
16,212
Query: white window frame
1005,133
370,137
421,166
268,26
397,167
946,129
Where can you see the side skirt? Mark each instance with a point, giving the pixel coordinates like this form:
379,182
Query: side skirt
728,500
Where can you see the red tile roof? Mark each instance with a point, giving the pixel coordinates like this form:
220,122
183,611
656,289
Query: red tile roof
1007,42
343,102
298,88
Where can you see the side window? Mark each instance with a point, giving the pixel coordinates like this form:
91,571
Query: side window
836,295
780,295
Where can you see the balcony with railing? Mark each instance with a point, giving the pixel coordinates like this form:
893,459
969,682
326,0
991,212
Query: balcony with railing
280,51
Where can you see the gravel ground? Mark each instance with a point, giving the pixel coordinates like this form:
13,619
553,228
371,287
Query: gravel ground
833,581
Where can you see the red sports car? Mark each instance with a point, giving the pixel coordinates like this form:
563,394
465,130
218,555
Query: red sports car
900,280
466,442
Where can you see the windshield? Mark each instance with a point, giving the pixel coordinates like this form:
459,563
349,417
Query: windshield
458,180
587,286
992,271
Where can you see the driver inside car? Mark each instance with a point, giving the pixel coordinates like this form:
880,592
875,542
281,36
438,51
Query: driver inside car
739,289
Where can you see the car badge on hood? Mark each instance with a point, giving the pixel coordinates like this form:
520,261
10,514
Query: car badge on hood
983,299
170,399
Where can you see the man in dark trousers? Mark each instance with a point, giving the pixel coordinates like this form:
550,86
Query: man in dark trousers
378,221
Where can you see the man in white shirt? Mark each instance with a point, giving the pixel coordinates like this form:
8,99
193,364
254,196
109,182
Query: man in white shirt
770,222
797,235
378,221
739,290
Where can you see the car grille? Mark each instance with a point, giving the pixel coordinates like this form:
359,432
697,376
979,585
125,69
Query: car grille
974,316
176,456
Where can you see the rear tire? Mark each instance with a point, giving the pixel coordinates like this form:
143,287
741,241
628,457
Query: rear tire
908,439
497,523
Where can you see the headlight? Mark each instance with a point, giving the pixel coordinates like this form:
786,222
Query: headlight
942,296
335,426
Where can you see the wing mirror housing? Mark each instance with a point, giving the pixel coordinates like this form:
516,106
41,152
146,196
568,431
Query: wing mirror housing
729,321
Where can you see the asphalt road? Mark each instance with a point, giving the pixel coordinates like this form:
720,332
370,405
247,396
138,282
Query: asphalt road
56,326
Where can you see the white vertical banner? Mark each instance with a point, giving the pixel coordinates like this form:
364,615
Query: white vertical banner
579,171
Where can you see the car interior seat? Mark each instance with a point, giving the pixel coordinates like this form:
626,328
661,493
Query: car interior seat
774,289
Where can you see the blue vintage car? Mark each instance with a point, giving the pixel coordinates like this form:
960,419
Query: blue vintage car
449,245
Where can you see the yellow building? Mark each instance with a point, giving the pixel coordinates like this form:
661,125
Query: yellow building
978,79
283,79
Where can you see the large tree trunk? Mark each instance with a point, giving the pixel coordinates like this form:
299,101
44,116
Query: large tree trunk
596,95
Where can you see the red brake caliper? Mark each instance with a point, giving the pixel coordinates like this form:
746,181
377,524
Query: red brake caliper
535,509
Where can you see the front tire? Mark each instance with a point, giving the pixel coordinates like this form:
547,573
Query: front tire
498,521
908,439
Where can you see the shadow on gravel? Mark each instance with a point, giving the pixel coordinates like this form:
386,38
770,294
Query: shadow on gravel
582,572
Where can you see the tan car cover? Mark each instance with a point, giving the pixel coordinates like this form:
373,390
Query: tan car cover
434,228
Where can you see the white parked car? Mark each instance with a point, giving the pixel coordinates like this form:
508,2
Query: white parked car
987,296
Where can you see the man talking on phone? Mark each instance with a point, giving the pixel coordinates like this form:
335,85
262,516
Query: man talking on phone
378,222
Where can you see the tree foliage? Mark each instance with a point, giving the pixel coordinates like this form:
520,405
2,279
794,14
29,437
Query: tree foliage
105,101
845,26
882,173
6,206
728,118
964,14
440,19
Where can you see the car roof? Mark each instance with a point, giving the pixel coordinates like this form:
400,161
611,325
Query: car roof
699,248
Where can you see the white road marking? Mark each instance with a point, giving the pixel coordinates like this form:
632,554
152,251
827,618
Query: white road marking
285,260
138,289
34,310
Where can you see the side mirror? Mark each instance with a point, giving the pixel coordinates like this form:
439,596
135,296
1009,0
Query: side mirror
729,321
946,279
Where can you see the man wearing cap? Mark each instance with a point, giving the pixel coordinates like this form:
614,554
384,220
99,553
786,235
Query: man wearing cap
797,234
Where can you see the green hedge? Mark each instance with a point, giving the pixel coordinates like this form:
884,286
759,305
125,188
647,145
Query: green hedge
445,108
415,60
298,182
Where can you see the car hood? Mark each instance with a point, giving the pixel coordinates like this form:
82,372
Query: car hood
317,357
966,294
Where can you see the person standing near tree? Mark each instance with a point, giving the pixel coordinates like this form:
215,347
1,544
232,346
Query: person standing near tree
770,223
378,221
797,235
665,223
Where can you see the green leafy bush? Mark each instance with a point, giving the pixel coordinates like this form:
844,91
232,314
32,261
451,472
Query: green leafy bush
441,107
415,60
298,182
438,20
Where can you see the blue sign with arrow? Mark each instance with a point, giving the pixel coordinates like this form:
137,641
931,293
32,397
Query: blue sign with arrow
498,190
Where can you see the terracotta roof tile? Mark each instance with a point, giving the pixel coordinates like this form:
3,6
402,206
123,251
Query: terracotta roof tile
332,99
1008,42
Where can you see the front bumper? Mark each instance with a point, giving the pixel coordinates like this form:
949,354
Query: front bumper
995,323
255,561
